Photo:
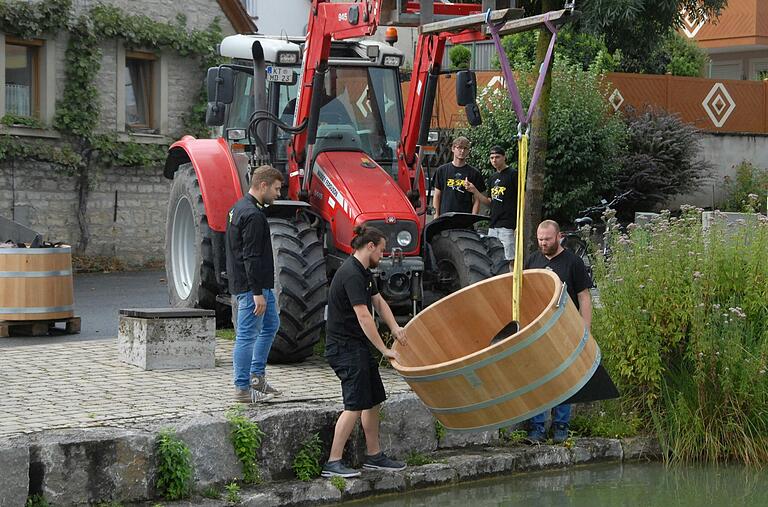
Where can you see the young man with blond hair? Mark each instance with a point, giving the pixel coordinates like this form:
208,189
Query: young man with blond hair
451,192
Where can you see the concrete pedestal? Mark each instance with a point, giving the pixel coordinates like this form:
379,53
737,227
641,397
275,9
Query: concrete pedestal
167,338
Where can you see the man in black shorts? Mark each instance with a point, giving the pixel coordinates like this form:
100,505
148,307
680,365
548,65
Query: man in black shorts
571,270
350,329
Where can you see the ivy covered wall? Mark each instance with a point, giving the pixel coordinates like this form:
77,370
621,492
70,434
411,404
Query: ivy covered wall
77,178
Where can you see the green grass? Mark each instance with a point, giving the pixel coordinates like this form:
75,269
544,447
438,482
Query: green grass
226,334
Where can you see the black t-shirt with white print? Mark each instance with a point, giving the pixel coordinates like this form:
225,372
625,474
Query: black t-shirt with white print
352,285
502,189
569,268
449,179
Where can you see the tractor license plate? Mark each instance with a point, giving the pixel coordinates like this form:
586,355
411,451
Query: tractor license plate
279,74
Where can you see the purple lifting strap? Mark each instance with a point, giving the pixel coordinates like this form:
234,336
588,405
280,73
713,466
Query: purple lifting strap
514,93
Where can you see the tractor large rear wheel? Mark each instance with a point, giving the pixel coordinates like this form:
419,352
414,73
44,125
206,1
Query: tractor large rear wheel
499,262
301,289
462,259
189,263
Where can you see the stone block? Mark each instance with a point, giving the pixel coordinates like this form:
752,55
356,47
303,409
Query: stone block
14,475
433,474
596,449
641,448
213,457
468,438
407,426
91,466
170,340
284,439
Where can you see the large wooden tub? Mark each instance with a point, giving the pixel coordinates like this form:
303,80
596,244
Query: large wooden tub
36,283
470,385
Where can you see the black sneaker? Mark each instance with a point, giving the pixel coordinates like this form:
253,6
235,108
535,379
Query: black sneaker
338,469
560,433
380,461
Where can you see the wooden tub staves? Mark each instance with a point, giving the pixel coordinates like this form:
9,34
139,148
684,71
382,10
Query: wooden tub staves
470,385
36,284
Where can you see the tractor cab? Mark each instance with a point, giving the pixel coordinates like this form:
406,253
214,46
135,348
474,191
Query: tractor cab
361,106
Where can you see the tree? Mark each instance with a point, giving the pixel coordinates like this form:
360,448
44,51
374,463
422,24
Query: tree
586,139
460,57
636,28
639,27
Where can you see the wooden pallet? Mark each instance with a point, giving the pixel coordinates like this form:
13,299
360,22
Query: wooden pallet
38,327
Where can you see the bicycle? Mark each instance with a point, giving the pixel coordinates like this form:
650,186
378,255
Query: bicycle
574,240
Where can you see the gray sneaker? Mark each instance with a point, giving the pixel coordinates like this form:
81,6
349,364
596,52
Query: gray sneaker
257,396
381,461
338,469
243,395
259,383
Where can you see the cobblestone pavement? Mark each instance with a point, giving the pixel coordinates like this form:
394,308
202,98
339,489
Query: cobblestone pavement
83,384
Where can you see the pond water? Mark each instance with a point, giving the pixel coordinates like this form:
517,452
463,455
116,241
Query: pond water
614,485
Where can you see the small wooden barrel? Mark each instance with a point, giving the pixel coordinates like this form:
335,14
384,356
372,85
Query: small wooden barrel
470,385
36,283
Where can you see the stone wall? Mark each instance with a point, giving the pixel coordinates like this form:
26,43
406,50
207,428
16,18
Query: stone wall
125,214
724,152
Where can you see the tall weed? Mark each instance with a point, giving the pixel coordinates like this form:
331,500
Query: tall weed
684,330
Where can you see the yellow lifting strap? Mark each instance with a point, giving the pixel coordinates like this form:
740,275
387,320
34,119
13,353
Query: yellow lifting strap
517,269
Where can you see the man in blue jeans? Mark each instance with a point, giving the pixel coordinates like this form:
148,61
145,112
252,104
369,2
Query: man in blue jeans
251,275
572,272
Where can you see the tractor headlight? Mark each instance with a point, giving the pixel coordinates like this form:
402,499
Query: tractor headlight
392,61
287,58
404,238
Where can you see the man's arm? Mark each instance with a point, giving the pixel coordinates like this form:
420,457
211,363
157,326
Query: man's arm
436,201
475,204
477,196
585,307
253,250
368,325
381,306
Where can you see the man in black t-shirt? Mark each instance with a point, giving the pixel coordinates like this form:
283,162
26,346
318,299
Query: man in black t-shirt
452,179
350,329
571,271
502,201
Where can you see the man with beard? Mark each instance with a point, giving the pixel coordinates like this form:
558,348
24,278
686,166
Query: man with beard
251,276
350,329
571,270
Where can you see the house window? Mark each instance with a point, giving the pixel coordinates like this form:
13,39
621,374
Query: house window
22,77
139,91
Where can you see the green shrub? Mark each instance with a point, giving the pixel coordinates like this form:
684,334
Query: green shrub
339,483
606,419
748,190
586,141
233,493
306,464
174,466
246,440
439,430
211,492
581,49
685,57
36,501
663,159
684,332
512,437
415,459
460,57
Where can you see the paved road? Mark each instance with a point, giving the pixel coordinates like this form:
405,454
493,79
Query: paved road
98,298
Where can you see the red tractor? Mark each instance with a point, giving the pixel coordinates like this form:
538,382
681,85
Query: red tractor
327,110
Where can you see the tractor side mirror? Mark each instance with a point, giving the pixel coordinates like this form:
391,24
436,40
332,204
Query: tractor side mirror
214,114
473,114
466,87
221,85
